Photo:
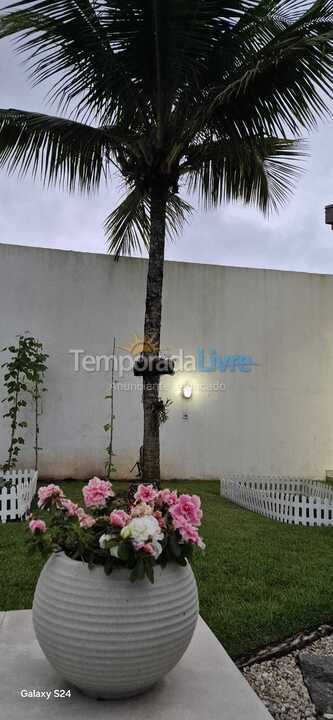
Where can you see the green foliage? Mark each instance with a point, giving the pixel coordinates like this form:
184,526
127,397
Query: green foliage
177,552
138,571
36,389
127,228
24,374
163,410
109,426
195,96
125,552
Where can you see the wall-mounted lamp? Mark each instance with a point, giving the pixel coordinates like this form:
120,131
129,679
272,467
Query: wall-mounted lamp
187,391
329,215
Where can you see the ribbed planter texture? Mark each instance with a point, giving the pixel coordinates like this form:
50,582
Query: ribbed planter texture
107,636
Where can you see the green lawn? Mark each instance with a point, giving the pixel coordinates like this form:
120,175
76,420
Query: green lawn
259,581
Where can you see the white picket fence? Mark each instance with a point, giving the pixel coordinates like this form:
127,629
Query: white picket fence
289,484
290,500
17,495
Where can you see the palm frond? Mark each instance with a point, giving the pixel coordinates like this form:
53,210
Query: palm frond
269,73
127,228
202,88
57,150
258,171
68,42
272,76
178,212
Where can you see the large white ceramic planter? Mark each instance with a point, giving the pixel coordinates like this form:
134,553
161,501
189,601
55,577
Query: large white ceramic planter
107,636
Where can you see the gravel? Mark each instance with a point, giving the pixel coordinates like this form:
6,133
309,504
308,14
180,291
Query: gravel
321,647
279,684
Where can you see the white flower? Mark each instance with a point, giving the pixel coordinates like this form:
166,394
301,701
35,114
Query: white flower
114,551
104,539
157,548
141,509
142,529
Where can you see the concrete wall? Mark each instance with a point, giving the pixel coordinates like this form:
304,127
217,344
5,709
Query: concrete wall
277,419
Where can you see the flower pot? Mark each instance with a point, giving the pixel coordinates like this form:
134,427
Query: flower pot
107,636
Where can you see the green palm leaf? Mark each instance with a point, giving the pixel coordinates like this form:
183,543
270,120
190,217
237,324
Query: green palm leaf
270,73
127,229
261,171
58,150
198,90
68,42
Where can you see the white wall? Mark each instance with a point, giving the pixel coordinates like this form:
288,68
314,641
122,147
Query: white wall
277,419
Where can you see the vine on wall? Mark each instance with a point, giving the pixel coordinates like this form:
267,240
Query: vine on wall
24,377
109,426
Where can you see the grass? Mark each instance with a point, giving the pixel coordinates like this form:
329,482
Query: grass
259,581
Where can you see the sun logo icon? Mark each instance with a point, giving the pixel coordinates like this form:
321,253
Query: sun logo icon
138,346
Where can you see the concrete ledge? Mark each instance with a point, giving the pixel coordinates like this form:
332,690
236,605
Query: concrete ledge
205,685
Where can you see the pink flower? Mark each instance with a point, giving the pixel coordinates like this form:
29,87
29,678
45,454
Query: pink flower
151,548
86,521
97,492
146,493
70,507
189,533
167,497
189,508
148,548
37,526
160,519
48,494
119,518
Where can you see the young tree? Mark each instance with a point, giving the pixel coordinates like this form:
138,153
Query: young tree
194,95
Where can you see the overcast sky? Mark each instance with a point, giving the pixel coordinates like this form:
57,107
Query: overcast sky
295,239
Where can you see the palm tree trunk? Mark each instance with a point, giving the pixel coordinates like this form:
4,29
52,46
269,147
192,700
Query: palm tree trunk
152,332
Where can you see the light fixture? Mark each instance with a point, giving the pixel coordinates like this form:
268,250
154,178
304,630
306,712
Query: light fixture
187,391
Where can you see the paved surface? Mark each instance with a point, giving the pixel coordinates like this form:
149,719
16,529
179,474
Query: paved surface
205,685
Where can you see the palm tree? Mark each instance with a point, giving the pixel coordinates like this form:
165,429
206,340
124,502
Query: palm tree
200,96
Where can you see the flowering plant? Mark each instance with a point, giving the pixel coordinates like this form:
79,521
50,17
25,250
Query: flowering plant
158,527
